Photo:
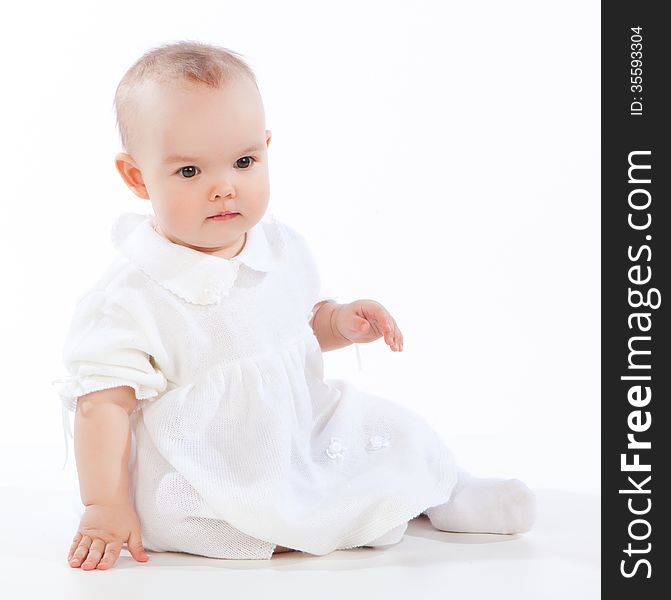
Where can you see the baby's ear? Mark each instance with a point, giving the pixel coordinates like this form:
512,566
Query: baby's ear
131,174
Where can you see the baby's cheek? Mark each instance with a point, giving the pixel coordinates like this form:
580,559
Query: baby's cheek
259,188
179,215
180,210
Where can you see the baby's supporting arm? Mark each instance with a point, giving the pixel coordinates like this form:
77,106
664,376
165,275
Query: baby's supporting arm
102,441
102,445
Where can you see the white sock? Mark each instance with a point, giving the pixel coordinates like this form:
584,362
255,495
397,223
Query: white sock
485,505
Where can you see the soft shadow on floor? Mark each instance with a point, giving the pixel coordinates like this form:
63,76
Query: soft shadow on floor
565,540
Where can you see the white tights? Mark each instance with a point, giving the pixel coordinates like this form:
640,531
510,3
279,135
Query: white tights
485,505
477,505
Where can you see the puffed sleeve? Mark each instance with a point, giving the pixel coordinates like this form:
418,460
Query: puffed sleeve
107,346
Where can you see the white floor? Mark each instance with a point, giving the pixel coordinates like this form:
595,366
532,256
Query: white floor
559,558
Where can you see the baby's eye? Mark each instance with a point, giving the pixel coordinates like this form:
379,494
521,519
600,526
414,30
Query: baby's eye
251,159
188,172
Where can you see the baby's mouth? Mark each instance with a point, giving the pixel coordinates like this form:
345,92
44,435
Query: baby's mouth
224,216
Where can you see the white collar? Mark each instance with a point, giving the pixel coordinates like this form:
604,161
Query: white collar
194,276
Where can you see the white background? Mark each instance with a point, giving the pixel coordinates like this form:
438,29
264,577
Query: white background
440,158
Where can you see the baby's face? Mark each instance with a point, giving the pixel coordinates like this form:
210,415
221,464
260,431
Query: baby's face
202,152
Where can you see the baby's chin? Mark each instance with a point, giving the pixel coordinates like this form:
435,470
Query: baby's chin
221,248
209,242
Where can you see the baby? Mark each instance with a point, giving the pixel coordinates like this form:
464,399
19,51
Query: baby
203,423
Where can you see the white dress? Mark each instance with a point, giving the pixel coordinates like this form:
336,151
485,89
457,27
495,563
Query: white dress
239,444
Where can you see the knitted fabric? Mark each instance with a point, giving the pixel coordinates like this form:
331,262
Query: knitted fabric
239,443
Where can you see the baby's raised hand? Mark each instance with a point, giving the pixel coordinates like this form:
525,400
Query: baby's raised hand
364,321
101,533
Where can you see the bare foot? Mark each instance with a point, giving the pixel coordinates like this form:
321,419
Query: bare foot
282,549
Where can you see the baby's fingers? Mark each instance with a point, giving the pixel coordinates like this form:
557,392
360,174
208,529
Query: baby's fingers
136,548
95,553
75,543
392,334
397,340
111,555
81,549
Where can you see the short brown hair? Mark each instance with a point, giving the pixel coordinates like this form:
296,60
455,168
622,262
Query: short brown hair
180,62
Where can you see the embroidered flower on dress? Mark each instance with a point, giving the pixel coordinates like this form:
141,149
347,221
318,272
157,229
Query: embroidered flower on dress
376,442
335,449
